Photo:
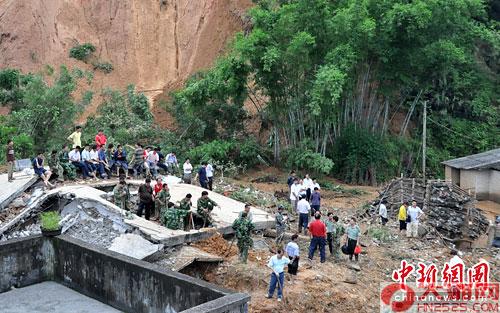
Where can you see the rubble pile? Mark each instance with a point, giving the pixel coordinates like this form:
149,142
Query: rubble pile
452,213
448,209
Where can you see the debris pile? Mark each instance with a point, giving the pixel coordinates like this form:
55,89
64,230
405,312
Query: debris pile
448,209
218,246
452,213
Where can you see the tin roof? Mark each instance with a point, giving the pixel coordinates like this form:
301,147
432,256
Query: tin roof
488,159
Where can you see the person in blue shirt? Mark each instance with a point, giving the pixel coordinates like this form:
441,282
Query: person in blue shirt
292,251
121,160
202,175
161,163
277,264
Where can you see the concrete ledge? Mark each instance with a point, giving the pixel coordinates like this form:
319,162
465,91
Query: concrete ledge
125,283
239,304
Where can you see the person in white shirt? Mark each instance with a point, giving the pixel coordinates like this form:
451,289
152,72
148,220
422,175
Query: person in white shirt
414,213
382,212
152,160
277,265
76,159
303,208
94,157
294,193
210,175
316,185
308,185
87,159
302,190
188,170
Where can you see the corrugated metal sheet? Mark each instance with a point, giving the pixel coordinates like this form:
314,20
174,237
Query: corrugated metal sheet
488,159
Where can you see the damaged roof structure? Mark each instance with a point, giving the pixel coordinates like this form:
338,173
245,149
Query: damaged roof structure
92,225
448,209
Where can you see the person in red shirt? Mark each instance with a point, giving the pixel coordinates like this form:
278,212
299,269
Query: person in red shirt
317,230
158,186
100,139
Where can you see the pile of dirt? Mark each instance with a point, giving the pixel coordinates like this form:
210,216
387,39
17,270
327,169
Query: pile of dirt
151,45
218,245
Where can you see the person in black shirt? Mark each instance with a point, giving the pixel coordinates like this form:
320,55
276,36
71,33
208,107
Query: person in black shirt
146,199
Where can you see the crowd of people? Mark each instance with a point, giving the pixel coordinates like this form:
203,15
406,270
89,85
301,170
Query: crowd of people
102,160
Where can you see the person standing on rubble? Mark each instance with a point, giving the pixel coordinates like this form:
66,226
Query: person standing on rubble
243,228
281,223
162,197
338,232
277,265
146,199
204,208
315,201
292,251
402,216
382,211
353,233
100,139
290,180
294,193
75,137
121,195
414,213
187,169
202,175
247,211
210,175
303,209
317,230
10,160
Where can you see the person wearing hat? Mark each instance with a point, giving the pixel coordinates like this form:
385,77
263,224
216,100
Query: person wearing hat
281,220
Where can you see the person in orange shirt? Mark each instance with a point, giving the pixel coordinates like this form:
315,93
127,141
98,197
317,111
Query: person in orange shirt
100,139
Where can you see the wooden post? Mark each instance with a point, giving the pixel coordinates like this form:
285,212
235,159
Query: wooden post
424,139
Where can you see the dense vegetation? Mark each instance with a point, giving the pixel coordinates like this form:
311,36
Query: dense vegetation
346,81
338,86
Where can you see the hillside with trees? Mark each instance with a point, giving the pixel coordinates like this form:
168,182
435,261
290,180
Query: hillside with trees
338,87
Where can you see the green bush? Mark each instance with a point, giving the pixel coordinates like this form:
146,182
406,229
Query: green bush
105,67
382,234
82,52
217,150
50,220
305,159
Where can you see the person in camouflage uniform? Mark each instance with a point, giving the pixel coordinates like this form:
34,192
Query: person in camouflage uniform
121,195
281,223
204,208
66,165
161,201
55,166
185,206
243,228
339,231
174,217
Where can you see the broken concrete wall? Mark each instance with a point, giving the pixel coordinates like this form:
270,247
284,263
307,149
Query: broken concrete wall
125,283
24,262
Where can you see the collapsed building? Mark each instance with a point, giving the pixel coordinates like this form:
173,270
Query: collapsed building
98,239
448,209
